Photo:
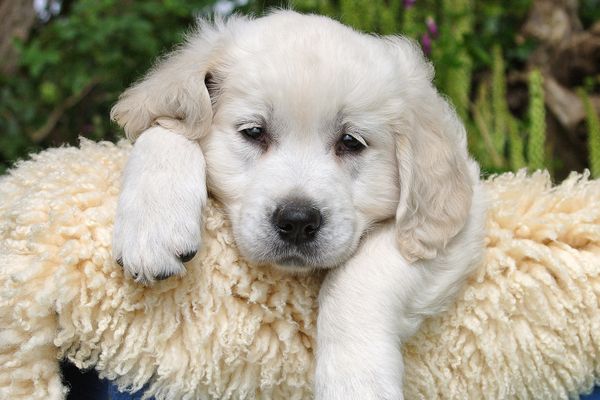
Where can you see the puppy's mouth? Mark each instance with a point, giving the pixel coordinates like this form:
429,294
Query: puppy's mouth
297,260
304,258
293,261
295,257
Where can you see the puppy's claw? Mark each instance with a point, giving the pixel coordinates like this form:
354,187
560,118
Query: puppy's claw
188,256
119,261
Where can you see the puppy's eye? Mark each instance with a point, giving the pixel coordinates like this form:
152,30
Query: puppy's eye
254,132
349,143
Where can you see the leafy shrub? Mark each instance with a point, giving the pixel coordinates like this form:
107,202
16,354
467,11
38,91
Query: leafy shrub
73,68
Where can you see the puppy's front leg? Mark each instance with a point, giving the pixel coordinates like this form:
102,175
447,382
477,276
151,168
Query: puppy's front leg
158,219
361,321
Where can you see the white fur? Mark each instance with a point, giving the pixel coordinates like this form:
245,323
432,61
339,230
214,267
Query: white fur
159,211
378,299
307,80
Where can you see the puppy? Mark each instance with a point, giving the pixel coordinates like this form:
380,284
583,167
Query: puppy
328,148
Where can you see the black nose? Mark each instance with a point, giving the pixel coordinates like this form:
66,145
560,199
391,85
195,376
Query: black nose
297,222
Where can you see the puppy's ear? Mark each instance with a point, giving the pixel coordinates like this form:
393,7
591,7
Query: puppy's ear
175,88
436,174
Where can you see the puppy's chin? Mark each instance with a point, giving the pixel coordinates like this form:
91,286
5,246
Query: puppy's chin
294,267
292,262
295,262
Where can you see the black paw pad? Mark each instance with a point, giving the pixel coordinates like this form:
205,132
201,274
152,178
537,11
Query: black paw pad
187,256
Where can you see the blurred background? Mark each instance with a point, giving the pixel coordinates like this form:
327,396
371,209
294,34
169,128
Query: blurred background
523,74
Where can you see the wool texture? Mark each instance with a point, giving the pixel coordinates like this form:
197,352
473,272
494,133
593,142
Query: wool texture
526,325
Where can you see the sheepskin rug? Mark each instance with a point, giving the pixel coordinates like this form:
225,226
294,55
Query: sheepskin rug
526,326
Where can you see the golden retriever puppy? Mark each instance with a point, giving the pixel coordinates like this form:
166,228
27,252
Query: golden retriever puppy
329,148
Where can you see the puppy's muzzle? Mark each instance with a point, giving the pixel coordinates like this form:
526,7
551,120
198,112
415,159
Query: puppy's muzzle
297,221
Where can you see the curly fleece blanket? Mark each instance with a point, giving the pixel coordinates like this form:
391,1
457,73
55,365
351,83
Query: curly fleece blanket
526,326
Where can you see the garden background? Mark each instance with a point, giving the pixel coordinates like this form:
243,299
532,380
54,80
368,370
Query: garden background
523,74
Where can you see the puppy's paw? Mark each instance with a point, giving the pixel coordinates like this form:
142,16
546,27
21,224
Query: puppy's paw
158,220
154,246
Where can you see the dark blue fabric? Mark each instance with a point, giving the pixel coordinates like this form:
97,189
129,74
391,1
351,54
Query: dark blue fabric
595,395
85,385
114,394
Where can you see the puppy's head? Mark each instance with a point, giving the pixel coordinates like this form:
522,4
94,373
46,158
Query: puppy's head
312,134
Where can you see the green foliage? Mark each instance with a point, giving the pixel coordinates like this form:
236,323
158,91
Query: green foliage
410,22
593,125
74,67
516,143
537,122
481,135
589,11
456,78
500,108
495,136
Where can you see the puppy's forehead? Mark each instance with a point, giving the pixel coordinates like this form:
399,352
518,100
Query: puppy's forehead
291,59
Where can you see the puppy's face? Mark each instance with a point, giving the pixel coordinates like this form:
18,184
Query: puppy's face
302,149
312,133
303,162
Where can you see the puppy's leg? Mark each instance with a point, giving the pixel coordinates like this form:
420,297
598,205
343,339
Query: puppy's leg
362,318
158,219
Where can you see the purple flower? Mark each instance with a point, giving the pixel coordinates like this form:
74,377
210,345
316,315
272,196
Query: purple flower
432,27
409,3
426,43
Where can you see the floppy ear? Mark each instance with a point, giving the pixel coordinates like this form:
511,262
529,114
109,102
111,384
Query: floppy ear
175,87
436,174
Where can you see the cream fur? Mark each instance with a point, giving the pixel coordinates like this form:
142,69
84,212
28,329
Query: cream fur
526,325
305,80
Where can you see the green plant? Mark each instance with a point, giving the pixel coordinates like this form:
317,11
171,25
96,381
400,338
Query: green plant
499,105
457,76
516,143
593,125
74,67
537,122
